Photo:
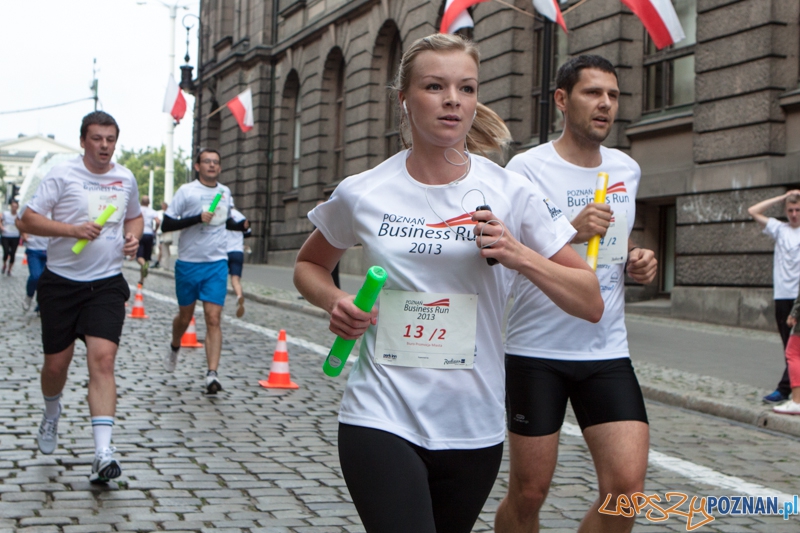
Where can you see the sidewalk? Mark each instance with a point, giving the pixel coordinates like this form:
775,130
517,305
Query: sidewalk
718,370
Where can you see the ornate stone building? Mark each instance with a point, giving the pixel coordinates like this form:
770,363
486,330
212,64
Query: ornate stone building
714,121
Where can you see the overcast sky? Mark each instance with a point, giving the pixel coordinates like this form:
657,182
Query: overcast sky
46,52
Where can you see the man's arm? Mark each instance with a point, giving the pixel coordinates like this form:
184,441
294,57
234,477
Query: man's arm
133,228
642,264
173,224
33,222
756,211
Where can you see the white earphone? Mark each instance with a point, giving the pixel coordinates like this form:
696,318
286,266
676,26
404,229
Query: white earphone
404,107
475,114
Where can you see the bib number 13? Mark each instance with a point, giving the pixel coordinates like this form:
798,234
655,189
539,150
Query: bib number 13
419,332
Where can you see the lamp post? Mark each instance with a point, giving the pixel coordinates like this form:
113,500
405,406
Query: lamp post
188,84
169,163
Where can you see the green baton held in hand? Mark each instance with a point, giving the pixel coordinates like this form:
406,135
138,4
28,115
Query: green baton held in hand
365,299
100,221
213,206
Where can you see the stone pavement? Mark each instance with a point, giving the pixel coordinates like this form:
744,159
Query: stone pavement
257,460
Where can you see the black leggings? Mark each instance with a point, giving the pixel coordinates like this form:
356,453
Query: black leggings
9,248
398,487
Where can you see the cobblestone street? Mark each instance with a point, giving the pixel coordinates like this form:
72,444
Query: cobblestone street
258,460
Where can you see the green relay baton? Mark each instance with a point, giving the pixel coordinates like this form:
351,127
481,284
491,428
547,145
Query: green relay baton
365,299
214,202
100,221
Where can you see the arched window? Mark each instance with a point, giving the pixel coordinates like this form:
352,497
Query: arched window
334,127
292,126
392,133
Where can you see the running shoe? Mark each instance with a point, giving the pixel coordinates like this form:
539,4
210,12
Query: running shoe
26,303
170,359
144,269
240,309
4,269
47,439
105,467
775,397
213,385
788,408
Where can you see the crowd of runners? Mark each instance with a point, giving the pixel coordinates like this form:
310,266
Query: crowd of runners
421,429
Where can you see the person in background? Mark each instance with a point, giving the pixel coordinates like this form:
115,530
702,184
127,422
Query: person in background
10,236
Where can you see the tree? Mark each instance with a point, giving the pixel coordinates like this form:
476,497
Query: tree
2,172
141,162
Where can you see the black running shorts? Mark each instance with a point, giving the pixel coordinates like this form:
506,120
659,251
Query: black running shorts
75,309
145,250
599,391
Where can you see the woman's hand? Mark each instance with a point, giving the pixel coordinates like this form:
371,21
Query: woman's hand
495,241
348,321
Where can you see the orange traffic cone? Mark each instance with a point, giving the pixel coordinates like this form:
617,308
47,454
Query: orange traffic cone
189,339
24,259
279,377
138,304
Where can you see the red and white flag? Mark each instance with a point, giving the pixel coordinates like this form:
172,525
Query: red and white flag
550,10
455,13
659,19
462,20
242,109
174,102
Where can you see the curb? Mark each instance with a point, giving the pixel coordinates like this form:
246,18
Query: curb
759,417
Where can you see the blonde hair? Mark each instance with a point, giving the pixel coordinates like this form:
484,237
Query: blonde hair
488,133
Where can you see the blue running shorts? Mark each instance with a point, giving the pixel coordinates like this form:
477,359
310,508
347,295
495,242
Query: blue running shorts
207,282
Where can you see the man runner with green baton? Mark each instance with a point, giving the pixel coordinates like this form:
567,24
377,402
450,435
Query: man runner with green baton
201,210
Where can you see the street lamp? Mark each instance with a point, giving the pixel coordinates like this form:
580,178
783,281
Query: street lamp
188,84
169,163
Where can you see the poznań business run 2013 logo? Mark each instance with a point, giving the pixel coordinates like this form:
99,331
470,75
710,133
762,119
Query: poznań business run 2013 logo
698,511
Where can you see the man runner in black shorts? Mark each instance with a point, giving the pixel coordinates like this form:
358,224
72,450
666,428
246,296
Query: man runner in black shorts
552,357
83,295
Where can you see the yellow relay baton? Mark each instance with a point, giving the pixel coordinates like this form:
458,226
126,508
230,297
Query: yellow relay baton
599,198
100,221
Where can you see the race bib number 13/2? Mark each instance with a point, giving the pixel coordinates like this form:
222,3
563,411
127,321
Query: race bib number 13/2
426,330
99,200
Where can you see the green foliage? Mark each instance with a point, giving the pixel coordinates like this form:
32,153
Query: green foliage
2,172
140,162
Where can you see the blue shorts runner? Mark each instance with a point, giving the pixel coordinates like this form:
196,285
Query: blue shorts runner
235,263
207,282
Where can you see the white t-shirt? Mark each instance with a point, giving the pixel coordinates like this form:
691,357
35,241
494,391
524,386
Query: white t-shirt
69,192
9,225
786,262
34,242
236,238
149,215
202,243
387,211
536,326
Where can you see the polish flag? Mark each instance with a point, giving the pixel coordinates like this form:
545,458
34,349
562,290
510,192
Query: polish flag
242,109
462,20
659,19
174,102
550,10
456,15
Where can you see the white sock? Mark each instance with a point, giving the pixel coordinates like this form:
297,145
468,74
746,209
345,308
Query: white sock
51,409
101,429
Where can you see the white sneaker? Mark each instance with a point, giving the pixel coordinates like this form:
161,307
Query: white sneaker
47,439
788,408
26,303
213,385
170,359
105,467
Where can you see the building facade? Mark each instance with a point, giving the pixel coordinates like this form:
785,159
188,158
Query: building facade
714,121
17,155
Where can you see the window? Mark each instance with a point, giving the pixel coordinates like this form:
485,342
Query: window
392,133
339,126
291,129
559,55
296,145
669,73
